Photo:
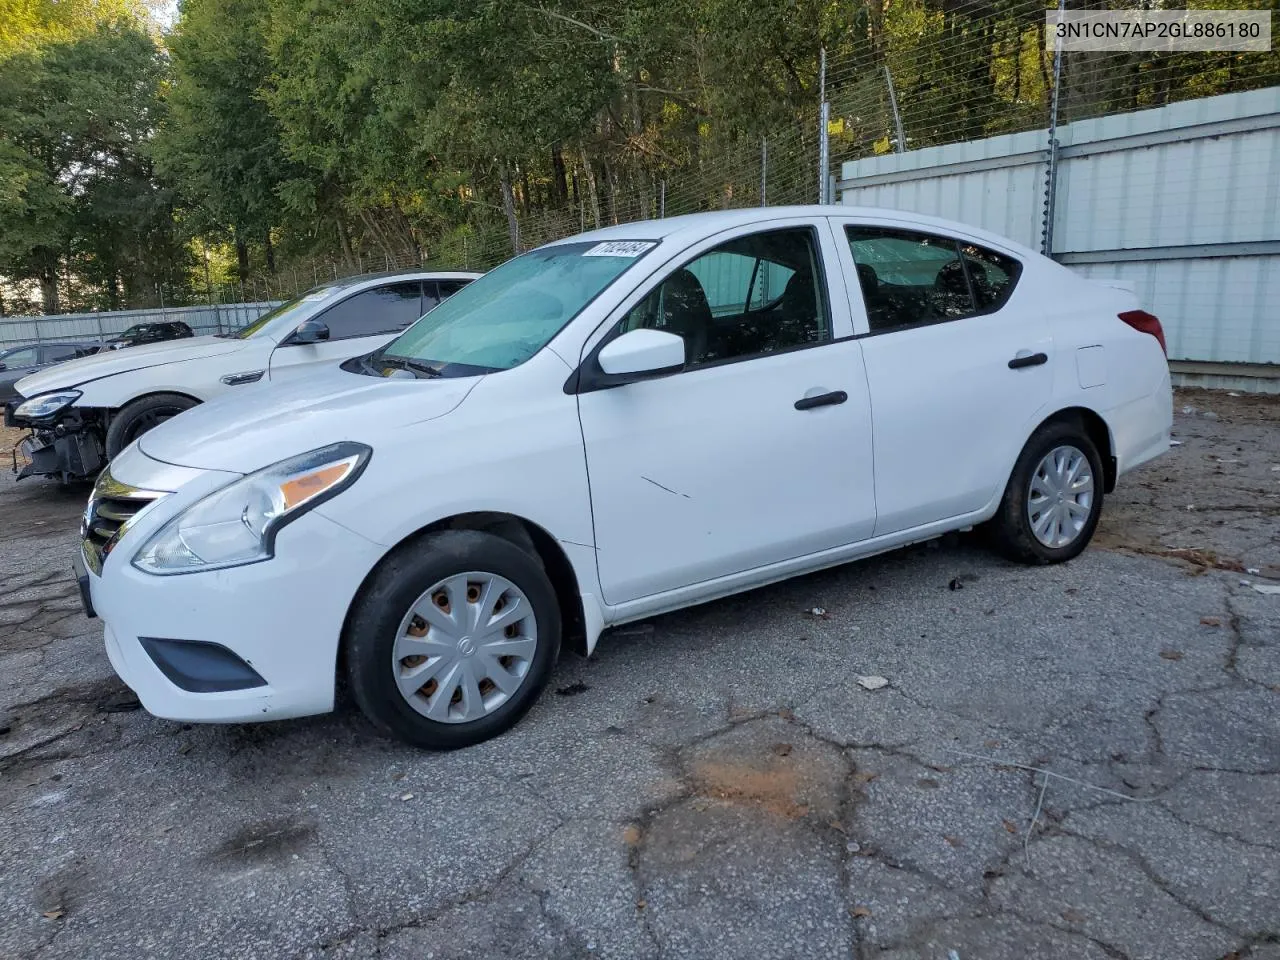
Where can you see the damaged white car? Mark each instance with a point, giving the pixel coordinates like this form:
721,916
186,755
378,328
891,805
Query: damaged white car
82,413
606,428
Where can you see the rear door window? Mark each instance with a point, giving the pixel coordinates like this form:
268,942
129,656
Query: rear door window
57,352
911,279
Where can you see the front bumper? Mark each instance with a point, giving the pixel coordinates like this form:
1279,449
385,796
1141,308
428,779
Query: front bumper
71,448
281,618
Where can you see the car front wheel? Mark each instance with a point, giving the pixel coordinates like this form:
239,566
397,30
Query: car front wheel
452,639
136,418
1053,500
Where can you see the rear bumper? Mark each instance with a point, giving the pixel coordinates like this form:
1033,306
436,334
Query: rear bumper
1142,428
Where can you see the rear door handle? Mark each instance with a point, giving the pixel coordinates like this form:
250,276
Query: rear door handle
1028,360
822,400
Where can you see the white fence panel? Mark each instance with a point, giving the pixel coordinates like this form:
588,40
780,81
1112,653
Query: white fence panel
101,325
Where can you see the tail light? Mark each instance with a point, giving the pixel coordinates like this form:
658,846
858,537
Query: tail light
1145,322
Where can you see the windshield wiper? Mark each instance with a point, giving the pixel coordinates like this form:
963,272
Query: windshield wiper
406,363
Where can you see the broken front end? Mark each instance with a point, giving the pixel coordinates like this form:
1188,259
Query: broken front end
62,441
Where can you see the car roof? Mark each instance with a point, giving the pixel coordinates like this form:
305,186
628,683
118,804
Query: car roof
707,223
400,275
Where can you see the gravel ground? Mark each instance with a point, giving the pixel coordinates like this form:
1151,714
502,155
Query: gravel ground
1074,762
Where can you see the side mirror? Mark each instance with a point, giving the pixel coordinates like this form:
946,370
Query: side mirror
309,331
640,354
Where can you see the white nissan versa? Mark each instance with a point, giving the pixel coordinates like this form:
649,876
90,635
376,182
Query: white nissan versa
602,429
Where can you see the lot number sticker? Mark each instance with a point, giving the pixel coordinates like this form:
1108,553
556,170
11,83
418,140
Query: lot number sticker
619,248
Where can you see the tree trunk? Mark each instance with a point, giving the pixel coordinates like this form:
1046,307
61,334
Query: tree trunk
592,193
242,259
344,241
560,178
509,208
49,289
525,197
271,254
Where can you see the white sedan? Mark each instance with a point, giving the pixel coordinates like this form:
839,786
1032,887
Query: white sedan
609,427
83,412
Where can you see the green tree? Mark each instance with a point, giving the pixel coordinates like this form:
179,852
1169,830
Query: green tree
76,120
221,144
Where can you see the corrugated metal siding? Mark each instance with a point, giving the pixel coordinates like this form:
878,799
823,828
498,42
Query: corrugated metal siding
95,326
1204,186
1226,310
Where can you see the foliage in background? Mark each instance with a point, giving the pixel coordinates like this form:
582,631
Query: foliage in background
294,140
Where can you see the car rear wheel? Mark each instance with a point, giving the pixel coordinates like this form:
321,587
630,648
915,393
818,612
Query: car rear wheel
452,640
136,418
1053,500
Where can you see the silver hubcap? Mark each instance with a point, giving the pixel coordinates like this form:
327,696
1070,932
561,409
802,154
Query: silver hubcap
465,647
1060,498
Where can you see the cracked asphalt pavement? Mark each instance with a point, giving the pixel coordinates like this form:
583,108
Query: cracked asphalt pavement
1072,762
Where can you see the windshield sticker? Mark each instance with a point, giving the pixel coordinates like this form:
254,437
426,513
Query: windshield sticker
620,248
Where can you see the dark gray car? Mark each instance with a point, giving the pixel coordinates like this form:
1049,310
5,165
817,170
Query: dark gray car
17,362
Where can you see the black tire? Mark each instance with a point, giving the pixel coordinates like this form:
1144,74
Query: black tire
1009,532
136,418
375,618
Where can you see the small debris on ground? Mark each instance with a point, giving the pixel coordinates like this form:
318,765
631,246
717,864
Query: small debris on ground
1171,654
1010,826
406,796
1073,916
953,841
1252,570
1211,621
862,911
53,914
818,612
852,847
573,689
872,682
1175,443
782,749
955,584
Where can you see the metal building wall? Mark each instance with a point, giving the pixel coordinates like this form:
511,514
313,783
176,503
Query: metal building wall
1184,201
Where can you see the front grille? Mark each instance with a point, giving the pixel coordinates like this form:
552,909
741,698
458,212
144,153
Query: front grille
112,508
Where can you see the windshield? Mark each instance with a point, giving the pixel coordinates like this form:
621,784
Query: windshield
502,319
295,307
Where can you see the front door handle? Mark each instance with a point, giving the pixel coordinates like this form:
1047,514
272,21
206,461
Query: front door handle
1028,360
822,400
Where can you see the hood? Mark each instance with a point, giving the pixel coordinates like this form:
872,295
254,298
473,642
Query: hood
261,425
72,373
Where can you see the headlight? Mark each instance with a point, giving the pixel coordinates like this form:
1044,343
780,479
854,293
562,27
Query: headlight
238,524
46,405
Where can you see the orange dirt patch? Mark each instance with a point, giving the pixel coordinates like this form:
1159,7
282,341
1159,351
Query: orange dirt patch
774,787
